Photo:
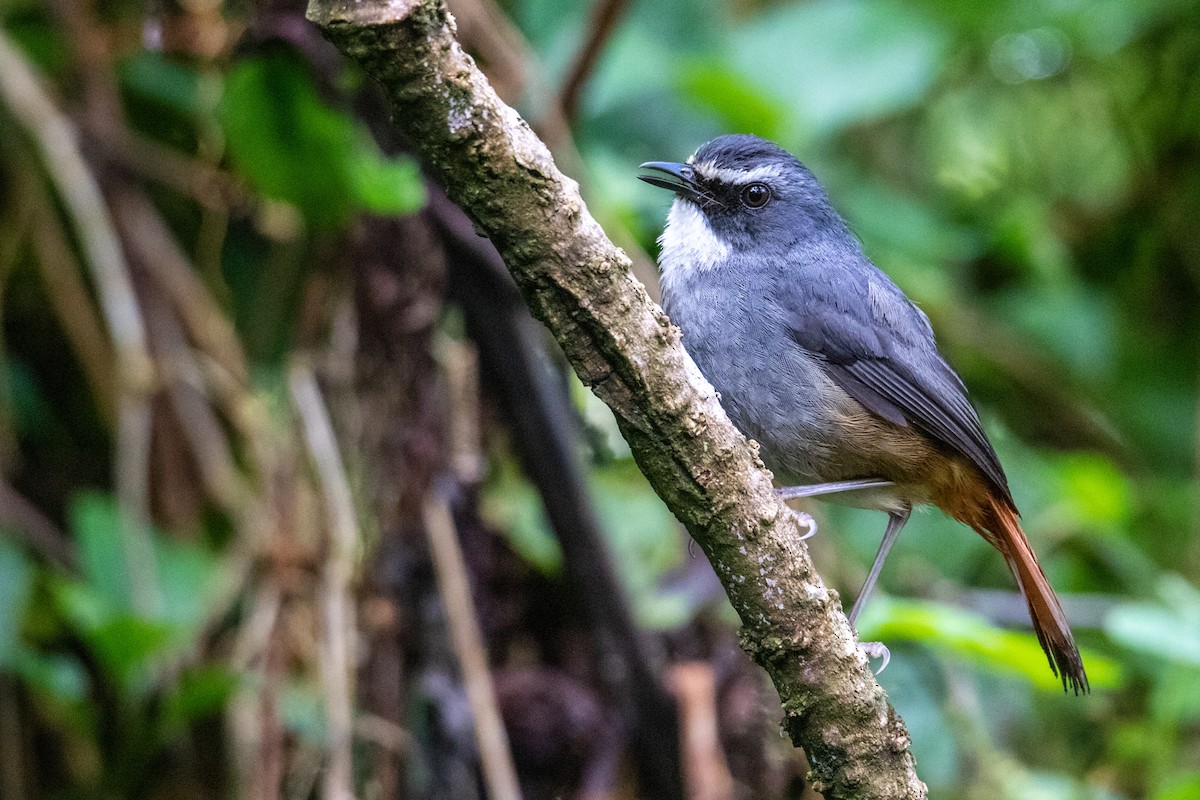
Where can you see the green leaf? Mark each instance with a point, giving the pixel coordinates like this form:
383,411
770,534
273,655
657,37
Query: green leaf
1185,786
59,677
84,608
971,637
886,217
1174,697
39,34
1099,495
292,146
385,186
924,709
125,646
634,68
740,105
96,525
512,505
16,581
185,573
1077,324
1169,629
1038,785
834,63
201,693
100,607
168,83
644,540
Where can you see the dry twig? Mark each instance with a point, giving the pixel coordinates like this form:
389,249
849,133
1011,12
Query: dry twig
24,519
704,766
336,601
68,296
605,16
498,770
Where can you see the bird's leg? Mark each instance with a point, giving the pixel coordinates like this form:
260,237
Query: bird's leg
895,524
817,489
896,521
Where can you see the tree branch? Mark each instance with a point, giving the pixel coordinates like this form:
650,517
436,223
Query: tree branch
605,16
624,347
539,414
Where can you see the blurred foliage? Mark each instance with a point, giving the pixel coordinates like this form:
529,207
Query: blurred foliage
277,128
1025,171
115,678
1028,172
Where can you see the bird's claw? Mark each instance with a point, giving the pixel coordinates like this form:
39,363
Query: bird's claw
806,520
803,517
876,650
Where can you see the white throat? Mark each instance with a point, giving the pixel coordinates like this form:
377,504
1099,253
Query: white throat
689,245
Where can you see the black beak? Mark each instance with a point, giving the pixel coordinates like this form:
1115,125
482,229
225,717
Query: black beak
680,180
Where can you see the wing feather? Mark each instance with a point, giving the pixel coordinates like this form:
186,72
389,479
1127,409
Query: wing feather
879,348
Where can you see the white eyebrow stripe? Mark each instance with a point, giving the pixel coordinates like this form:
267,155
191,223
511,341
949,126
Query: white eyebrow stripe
711,172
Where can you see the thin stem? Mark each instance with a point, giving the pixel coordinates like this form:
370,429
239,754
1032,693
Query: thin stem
605,16
55,138
451,569
336,606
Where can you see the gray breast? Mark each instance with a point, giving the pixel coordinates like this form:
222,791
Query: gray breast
772,390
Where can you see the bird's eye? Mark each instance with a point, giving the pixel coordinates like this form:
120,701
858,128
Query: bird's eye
756,195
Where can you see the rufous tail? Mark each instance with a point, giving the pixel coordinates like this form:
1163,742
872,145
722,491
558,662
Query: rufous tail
1049,622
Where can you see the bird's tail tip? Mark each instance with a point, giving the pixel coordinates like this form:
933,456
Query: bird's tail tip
1046,613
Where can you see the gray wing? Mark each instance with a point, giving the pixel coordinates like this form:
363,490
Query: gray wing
879,348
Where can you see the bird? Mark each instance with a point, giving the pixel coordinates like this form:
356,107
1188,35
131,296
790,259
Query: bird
818,356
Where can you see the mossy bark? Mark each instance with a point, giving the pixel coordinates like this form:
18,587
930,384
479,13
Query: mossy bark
625,348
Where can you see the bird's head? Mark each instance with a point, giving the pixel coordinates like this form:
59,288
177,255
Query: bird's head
739,192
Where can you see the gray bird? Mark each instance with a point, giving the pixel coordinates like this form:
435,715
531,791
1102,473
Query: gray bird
819,357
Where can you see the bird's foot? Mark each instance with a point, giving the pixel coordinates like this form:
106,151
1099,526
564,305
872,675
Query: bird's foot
803,517
806,520
876,650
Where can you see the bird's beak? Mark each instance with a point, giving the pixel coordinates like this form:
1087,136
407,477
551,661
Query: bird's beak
680,179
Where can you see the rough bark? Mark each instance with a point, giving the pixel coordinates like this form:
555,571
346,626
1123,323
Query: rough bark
623,346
